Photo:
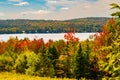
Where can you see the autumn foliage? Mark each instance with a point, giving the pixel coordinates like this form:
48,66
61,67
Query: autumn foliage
70,37
95,59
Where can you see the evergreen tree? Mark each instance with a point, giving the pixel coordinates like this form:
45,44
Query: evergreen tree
46,68
79,63
82,62
21,63
53,55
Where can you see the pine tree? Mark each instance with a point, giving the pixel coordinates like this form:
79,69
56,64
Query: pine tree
46,66
79,63
53,55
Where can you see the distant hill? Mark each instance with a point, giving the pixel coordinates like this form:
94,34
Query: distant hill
90,24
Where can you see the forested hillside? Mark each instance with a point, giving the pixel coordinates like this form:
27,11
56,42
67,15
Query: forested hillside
52,26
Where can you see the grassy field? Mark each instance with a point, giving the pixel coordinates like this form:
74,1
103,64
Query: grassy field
13,76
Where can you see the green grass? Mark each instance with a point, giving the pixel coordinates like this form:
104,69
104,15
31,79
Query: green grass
13,76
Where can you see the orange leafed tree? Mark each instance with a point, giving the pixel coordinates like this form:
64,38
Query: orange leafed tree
105,37
70,36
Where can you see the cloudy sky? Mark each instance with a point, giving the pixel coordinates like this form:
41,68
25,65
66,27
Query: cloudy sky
55,9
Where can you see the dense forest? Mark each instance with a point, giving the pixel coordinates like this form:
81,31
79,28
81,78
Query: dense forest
91,24
97,59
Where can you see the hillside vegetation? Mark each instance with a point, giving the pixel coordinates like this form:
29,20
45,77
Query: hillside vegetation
49,26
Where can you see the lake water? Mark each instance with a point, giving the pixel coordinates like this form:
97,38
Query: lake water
46,37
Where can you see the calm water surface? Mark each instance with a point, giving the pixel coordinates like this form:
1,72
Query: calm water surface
46,37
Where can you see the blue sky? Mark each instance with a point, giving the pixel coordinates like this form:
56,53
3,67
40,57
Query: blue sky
54,9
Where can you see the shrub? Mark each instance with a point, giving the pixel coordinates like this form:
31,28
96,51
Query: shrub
7,61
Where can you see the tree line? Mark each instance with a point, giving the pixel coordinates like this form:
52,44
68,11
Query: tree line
91,24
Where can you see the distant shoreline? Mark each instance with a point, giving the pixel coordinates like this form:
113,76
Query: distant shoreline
79,25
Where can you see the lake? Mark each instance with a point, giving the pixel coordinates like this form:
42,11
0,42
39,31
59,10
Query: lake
45,36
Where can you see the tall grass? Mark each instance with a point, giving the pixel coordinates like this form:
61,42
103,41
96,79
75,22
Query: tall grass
14,76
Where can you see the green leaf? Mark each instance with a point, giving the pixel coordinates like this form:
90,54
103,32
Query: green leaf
111,68
114,5
115,14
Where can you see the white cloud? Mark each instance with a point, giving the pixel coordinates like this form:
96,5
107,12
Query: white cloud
19,2
60,2
43,12
87,6
68,9
82,8
64,8
51,1
54,5
22,4
15,0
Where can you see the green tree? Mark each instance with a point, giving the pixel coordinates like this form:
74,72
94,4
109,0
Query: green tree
33,64
7,61
21,63
109,53
80,64
53,55
46,68
79,67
